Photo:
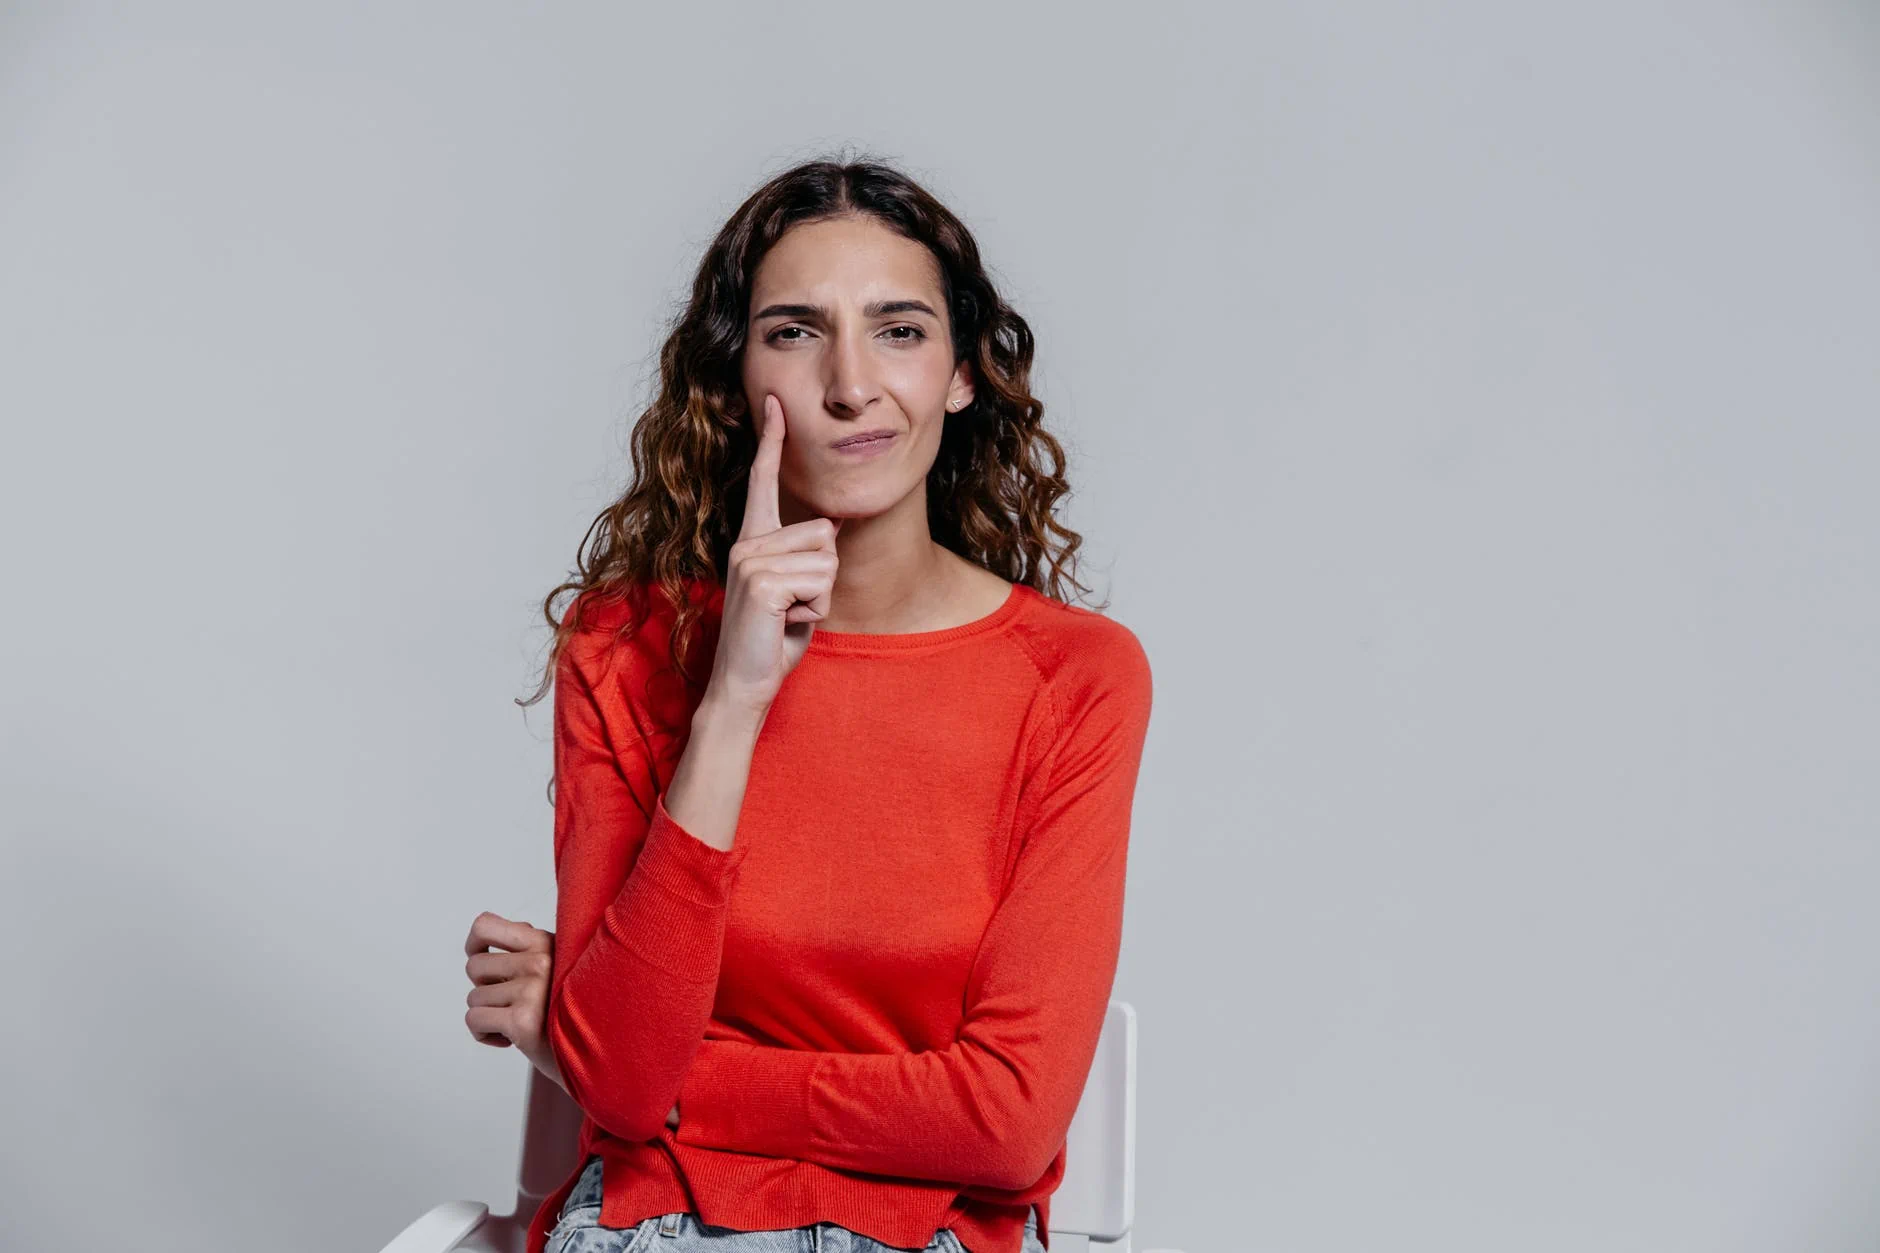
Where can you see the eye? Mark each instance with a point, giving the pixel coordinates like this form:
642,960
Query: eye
914,335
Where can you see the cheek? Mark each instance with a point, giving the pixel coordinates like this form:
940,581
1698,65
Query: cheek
757,379
764,368
921,392
769,378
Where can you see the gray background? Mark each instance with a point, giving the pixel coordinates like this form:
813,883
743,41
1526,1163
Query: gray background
1472,409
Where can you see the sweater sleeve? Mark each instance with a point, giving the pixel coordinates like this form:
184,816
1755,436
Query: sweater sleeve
994,1107
639,914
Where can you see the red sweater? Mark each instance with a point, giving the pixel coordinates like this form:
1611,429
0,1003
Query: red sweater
879,1008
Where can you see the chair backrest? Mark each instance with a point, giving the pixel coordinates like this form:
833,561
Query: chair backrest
1096,1197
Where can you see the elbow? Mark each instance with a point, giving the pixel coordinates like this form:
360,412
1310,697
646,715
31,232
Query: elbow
622,1120
1018,1161
625,1124
1004,1178
1009,1174
1018,1130
616,1105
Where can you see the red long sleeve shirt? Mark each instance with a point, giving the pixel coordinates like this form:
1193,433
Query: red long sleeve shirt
880,1006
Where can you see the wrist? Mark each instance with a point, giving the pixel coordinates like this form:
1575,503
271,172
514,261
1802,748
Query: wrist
728,714
544,1061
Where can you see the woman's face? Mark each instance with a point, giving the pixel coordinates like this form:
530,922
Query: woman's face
848,329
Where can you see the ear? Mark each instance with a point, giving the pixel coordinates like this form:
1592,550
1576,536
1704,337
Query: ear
960,393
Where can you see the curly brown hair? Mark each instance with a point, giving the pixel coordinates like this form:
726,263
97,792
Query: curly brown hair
990,495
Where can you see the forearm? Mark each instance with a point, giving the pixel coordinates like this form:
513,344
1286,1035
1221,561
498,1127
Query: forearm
627,1017
707,790
959,1114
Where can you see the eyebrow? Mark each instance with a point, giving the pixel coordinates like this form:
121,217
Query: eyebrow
877,309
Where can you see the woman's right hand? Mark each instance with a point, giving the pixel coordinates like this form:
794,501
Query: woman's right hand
509,968
509,991
777,586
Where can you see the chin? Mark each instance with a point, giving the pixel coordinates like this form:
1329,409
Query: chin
855,506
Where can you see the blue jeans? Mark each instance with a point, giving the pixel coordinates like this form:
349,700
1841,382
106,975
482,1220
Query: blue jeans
579,1231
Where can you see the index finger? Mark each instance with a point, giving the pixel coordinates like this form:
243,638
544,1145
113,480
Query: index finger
761,512
495,931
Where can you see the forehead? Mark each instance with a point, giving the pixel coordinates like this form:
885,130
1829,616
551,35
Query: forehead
846,260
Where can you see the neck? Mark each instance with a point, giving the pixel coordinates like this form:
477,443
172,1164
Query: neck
889,592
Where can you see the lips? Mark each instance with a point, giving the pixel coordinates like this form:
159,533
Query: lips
870,437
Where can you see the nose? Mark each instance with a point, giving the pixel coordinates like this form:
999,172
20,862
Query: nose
851,384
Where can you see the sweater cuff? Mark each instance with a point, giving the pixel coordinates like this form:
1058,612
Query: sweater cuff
677,893
748,1098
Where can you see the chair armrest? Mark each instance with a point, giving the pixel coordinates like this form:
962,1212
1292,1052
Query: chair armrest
440,1230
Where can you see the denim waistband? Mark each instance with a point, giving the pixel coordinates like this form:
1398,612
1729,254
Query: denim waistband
587,1191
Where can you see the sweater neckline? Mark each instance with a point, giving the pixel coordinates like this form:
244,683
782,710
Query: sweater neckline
862,643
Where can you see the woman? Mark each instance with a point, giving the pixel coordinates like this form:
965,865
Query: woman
832,954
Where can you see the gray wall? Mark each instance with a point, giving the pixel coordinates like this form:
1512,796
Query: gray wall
1472,409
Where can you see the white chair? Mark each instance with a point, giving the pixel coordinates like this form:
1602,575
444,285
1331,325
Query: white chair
1092,1210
